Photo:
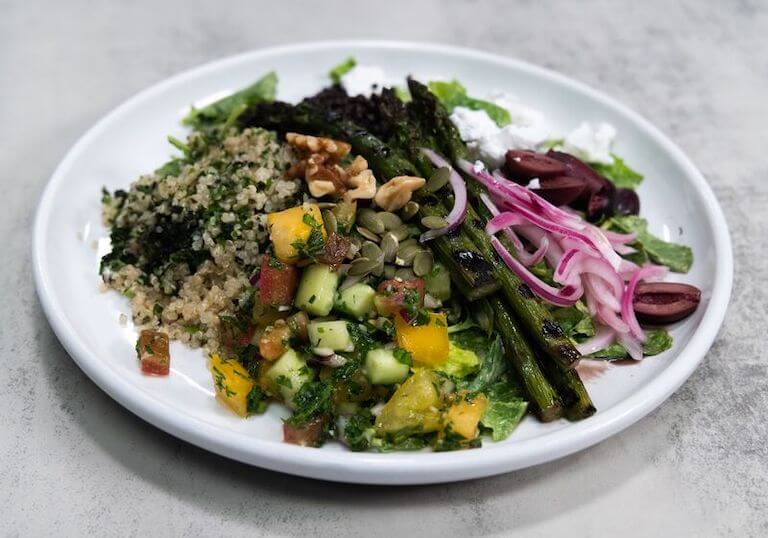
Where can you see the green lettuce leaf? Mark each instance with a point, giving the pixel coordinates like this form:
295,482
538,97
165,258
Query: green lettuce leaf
227,110
678,258
506,408
575,321
453,94
460,363
619,173
490,353
659,340
342,69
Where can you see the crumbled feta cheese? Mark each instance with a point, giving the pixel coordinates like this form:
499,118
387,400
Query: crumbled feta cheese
488,141
518,112
362,79
473,124
591,143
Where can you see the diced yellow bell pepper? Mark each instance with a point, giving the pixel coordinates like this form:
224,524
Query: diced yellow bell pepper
232,383
465,413
427,343
289,227
415,404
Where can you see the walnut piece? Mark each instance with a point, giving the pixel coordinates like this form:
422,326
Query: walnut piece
361,186
323,178
397,192
335,149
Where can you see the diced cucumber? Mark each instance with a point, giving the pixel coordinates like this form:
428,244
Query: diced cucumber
438,283
317,289
382,368
330,335
288,374
356,300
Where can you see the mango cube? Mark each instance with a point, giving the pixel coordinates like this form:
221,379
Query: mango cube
428,343
232,383
295,226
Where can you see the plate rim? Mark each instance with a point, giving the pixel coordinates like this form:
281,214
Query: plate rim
394,468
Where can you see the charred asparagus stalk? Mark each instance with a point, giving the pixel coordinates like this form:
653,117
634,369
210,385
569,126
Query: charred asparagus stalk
547,405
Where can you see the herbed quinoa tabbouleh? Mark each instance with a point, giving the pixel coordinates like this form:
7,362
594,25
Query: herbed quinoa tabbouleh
187,238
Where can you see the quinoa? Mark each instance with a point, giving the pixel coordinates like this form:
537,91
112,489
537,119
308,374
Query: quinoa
187,238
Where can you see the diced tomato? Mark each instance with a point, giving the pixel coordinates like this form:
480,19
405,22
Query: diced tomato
308,435
274,342
395,294
277,281
152,349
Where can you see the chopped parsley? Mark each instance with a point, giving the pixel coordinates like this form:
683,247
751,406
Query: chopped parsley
402,356
284,381
314,245
312,400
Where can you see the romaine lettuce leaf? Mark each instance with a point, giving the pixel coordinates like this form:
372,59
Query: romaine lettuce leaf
575,321
227,109
453,94
678,258
659,340
342,69
490,353
460,363
506,408
619,173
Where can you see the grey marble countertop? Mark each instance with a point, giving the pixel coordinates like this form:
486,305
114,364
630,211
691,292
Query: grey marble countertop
73,462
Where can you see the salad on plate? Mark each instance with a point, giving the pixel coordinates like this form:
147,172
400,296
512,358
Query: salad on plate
400,263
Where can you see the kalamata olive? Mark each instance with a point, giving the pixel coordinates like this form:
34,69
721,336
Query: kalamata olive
523,165
664,302
575,167
560,190
626,202
600,203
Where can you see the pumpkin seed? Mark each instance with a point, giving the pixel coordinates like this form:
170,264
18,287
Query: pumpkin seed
401,232
326,205
438,180
390,220
405,273
368,234
329,220
410,241
354,247
405,255
389,271
409,210
389,246
361,266
423,263
434,222
368,218
370,250
379,269
345,215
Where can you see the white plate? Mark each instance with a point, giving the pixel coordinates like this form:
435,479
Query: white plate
132,140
